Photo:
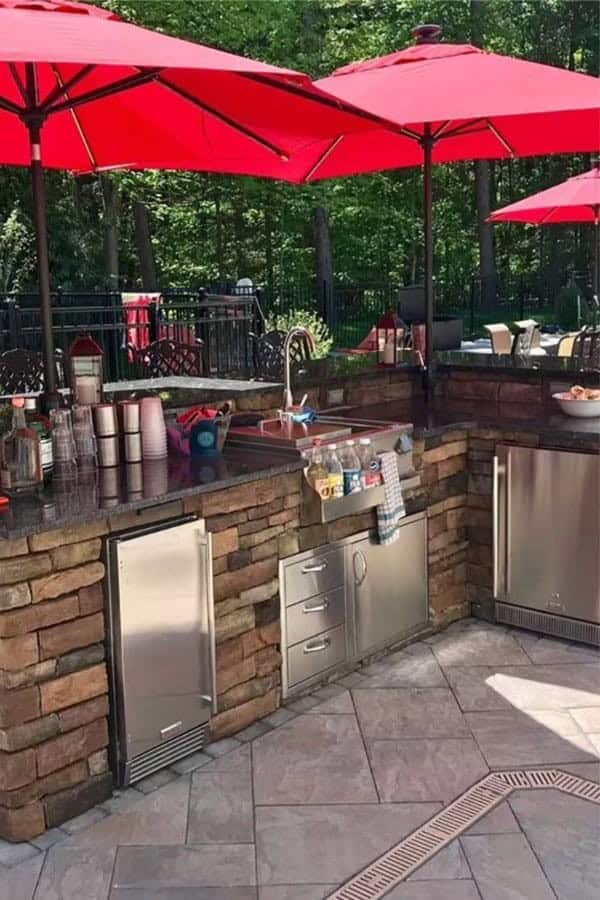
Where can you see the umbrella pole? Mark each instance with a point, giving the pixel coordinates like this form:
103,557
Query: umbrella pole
50,398
596,262
427,144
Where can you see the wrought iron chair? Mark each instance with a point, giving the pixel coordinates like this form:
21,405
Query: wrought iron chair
586,347
165,357
22,371
269,356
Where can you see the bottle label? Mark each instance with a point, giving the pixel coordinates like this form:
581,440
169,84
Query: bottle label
6,479
336,486
46,453
352,483
322,487
371,477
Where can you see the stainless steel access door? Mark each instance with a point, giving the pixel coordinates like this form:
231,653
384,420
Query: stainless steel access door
162,633
388,585
547,531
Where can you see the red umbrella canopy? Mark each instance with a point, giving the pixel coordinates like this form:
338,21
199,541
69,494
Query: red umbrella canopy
473,104
574,200
111,94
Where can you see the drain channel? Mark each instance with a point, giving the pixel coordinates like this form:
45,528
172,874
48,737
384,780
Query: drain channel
396,864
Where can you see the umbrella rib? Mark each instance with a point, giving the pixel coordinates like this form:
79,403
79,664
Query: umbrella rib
499,137
205,107
17,80
64,92
63,87
11,107
108,90
324,155
465,128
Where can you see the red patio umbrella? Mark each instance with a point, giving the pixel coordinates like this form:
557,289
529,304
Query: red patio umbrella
453,102
575,200
80,89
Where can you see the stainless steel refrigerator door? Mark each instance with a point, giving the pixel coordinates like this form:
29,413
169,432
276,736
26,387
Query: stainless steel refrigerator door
164,644
388,585
551,531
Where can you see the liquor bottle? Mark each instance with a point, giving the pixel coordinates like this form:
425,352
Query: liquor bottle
335,472
370,466
351,468
317,474
21,454
41,425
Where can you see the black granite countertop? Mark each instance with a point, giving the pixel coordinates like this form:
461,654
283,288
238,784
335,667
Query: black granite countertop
129,488
552,366
431,420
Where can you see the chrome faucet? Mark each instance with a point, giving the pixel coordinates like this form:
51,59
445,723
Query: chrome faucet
295,332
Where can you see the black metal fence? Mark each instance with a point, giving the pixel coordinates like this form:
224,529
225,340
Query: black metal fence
224,323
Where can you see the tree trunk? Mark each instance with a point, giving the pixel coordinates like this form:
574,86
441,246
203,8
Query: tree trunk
487,261
323,264
219,235
269,262
111,201
144,246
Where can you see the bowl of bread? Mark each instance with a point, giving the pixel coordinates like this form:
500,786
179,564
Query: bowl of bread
583,403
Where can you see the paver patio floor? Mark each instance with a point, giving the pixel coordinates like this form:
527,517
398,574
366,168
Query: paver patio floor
295,805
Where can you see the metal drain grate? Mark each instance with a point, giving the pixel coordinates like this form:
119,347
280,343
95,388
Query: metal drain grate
413,851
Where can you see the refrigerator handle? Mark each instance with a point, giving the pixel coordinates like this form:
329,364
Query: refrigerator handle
207,600
500,516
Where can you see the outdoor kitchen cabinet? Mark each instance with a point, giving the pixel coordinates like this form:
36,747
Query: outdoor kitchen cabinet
345,600
547,541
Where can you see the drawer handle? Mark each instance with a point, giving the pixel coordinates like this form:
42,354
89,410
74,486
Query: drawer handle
317,567
319,607
316,648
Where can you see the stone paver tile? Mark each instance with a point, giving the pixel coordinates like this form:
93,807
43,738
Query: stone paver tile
183,893
253,731
588,718
314,759
159,818
353,680
220,748
534,738
564,832
191,763
435,890
85,820
548,687
340,704
412,667
71,874
425,770
155,781
280,716
121,800
232,762
546,650
20,881
49,838
472,687
13,854
505,868
594,739
388,713
296,891
209,865
479,647
303,704
498,821
449,864
327,844
221,808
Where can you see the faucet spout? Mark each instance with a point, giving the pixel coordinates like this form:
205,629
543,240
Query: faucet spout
293,334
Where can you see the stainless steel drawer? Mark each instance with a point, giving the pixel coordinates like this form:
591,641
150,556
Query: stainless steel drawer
315,574
316,655
310,617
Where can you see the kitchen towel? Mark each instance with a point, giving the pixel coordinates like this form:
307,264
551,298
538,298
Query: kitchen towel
392,510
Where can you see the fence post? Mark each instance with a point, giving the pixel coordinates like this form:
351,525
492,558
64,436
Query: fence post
14,322
472,310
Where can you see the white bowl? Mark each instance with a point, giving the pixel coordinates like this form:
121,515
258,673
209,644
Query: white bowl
579,409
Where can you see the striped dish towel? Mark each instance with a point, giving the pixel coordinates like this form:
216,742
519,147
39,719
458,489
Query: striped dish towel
392,510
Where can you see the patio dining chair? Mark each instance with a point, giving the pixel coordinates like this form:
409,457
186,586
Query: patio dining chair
166,357
22,371
501,337
566,344
586,346
528,336
269,357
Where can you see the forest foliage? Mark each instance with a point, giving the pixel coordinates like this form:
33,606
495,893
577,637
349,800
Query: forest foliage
206,227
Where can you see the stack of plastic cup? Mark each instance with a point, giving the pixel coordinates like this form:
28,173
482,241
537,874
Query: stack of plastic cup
154,431
85,439
63,445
